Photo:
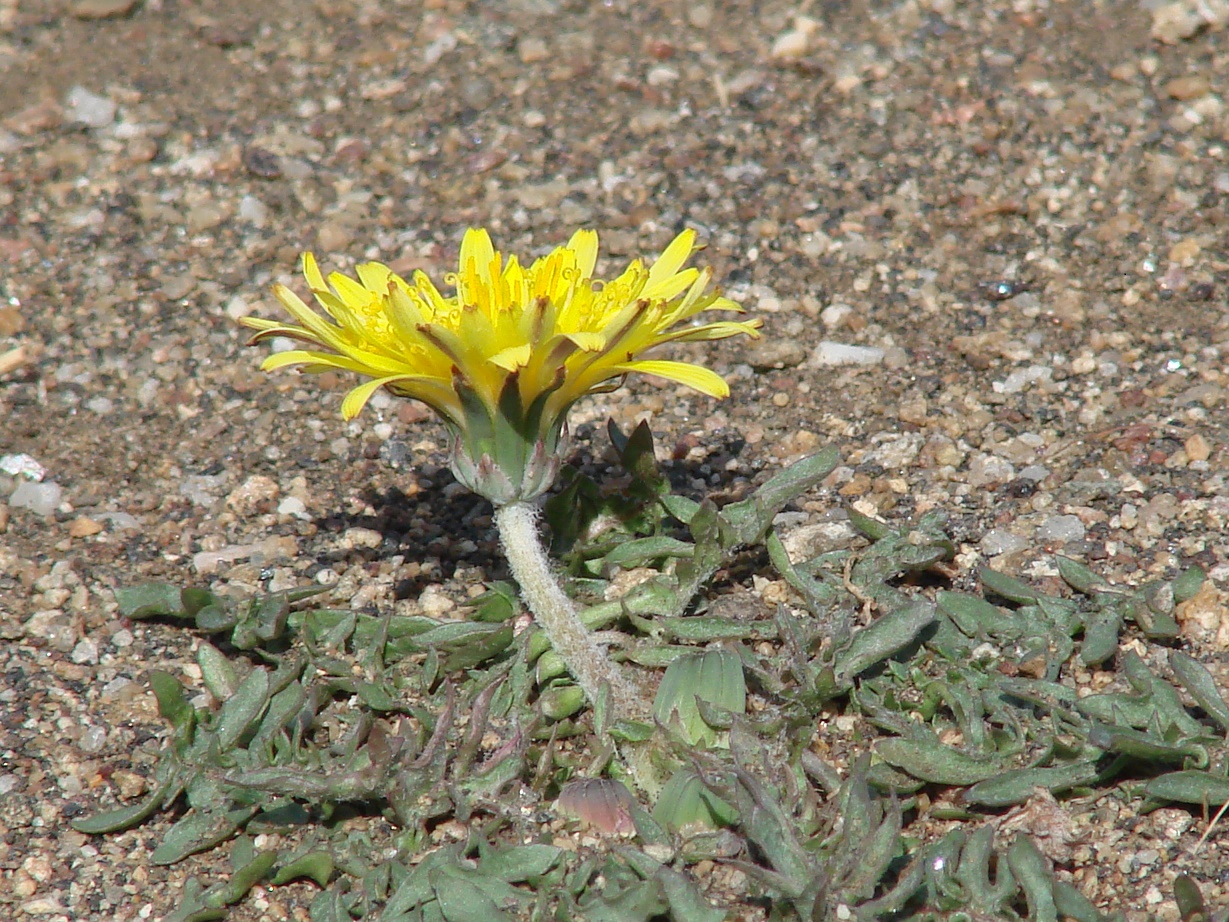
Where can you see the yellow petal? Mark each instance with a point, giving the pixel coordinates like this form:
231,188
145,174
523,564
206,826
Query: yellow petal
351,293
588,342
512,358
672,258
260,323
326,333
290,357
722,329
476,248
320,361
584,245
311,272
357,398
696,377
671,287
374,276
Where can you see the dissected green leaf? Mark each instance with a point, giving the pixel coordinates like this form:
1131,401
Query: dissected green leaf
1008,586
1101,632
684,897
884,637
198,831
974,615
152,600
193,905
243,880
750,518
317,866
642,551
561,701
1191,907
1080,577
499,603
935,762
1018,785
1188,583
521,862
1190,787
169,785
1196,679
461,898
217,672
714,676
1036,878
1141,745
174,707
680,507
241,710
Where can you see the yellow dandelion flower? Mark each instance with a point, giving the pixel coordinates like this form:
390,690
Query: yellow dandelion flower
504,358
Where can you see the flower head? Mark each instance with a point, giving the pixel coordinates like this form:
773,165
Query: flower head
504,358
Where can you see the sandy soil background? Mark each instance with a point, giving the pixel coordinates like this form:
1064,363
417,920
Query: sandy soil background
1015,211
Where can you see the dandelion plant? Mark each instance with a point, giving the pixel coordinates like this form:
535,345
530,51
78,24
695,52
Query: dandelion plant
501,361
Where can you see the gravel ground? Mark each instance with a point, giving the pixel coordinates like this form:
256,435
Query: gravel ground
987,241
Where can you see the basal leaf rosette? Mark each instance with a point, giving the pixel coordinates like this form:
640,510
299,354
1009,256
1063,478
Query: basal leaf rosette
503,358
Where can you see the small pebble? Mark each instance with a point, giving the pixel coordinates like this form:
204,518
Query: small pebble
43,906
102,9
22,466
253,210
1158,513
1061,528
775,353
834,315
202,489
204,216
93,739
699,15
1019,380
989,469
1184,251
129,784
334,235
537,196
832,353
790,45
354,538
253,496
433,601
54,627
208,562
262,163
294,506
531,50
1197,448
119,520
1000,541
88,108
179,286
40,498
83,527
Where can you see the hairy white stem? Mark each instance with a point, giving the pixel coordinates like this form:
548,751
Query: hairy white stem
555,614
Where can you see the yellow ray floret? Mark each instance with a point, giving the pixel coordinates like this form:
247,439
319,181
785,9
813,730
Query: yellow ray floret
550,330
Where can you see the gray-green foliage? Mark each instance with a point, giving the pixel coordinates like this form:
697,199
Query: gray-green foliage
327,714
